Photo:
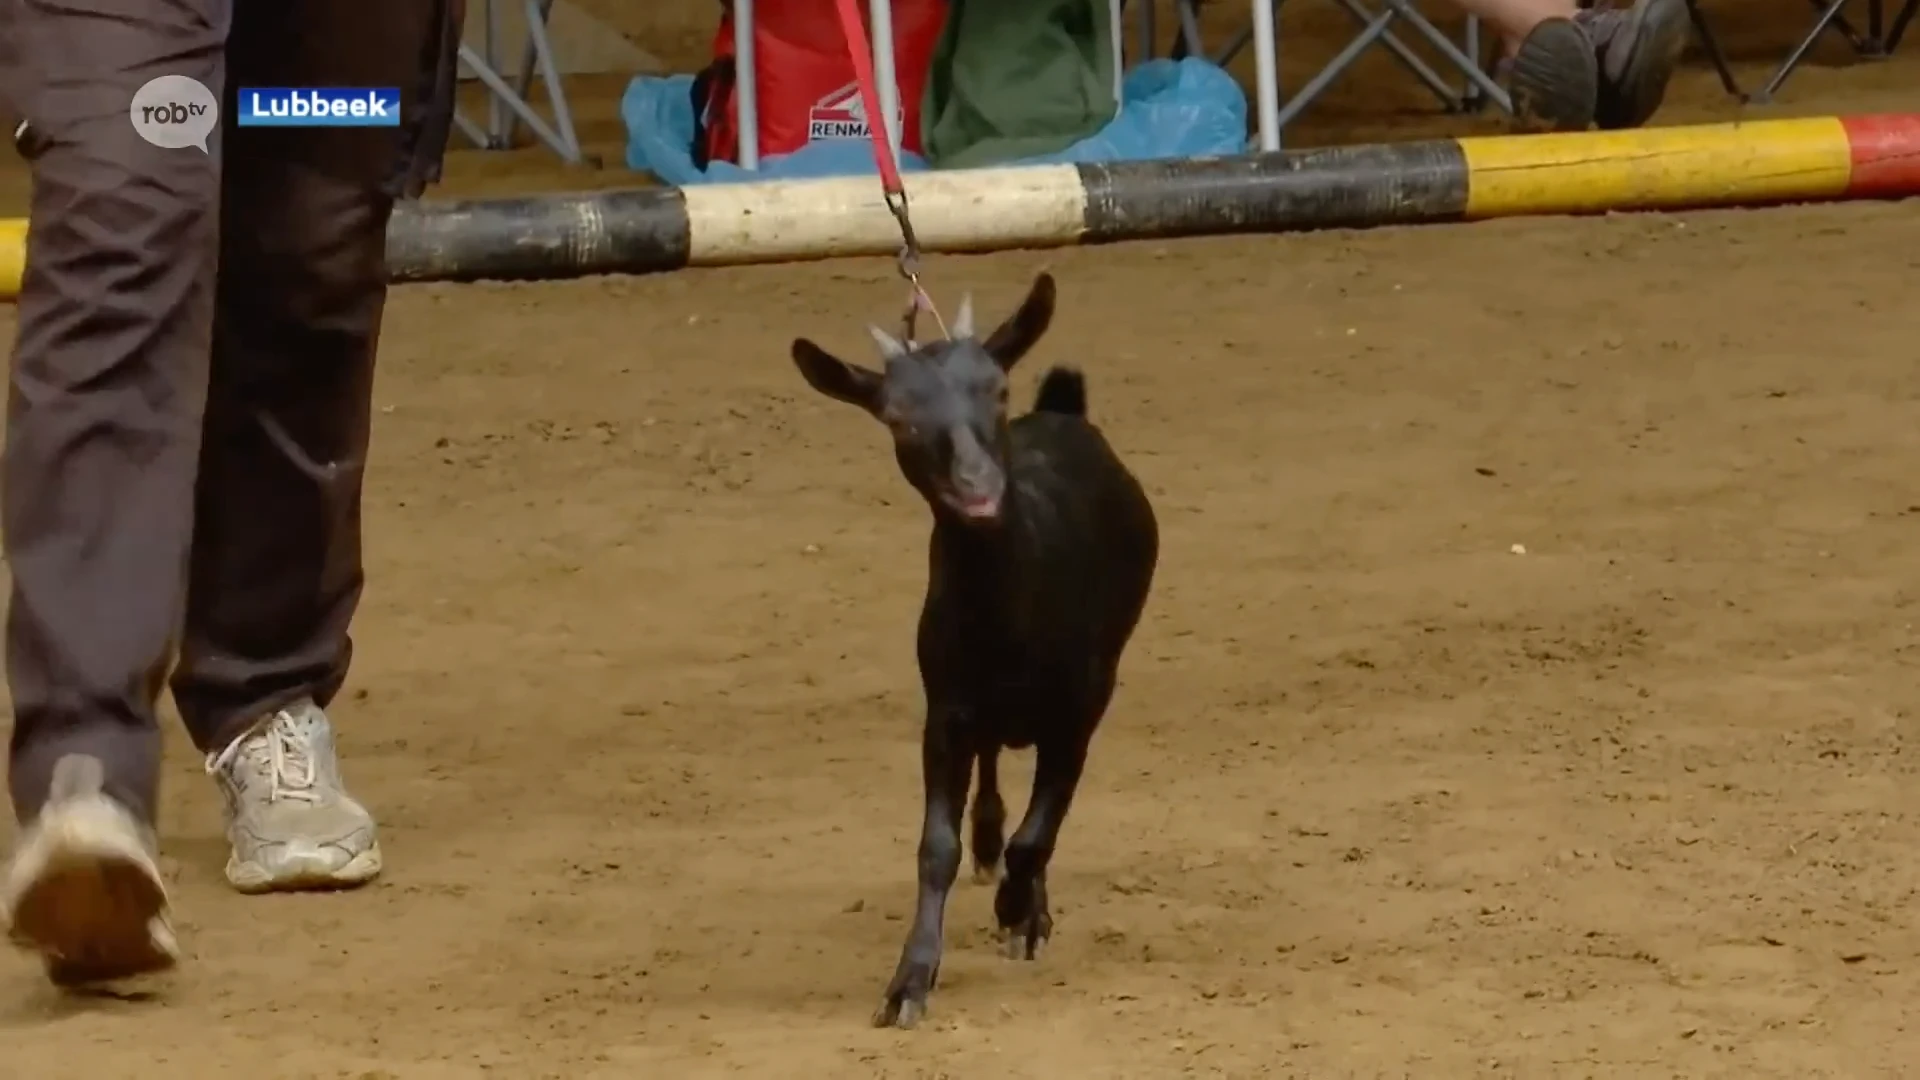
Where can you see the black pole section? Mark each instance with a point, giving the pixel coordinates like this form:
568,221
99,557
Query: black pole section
539,238
1341,187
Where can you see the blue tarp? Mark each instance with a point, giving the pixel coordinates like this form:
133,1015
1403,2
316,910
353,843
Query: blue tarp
1169,109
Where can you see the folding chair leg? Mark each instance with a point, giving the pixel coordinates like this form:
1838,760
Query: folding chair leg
1900,24
1186,36
1714,52
505,100
529,62
1861,43
1445,47
1472,97
495,84
1449,100
498,137
1187,41
1233,46
1881,39
556,91
1831,12
1149,32
1334,68
475,134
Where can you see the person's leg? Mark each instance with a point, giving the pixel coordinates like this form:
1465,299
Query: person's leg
103,432
276,571
1568,68
1513,20
1639,48
1550,68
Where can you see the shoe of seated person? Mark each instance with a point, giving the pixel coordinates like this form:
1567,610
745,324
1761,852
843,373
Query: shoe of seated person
292,824
1553,79
84,889
1638,49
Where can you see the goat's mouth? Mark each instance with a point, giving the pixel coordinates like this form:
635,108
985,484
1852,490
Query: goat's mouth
973,506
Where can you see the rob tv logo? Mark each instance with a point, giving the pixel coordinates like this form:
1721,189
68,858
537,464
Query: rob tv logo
318,107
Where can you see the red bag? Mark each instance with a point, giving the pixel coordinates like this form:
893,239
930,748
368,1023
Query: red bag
808,92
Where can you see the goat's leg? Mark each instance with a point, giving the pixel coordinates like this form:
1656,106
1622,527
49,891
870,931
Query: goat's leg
946,766
989,819
1020,905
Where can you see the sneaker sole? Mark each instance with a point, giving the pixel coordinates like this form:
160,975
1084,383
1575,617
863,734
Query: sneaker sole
1555,79
94,915
1659,31
254,879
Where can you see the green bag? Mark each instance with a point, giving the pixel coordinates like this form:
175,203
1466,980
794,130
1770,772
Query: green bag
1012,79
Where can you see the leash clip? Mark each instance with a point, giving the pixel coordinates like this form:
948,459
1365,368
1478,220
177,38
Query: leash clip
907,262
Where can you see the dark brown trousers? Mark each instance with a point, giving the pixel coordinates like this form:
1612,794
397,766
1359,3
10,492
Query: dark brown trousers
191,387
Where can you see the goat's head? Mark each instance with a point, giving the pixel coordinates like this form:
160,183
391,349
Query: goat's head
945,402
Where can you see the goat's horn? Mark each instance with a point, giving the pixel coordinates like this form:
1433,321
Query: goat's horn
890,346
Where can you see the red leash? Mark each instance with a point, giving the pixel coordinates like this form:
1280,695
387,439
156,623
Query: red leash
854,29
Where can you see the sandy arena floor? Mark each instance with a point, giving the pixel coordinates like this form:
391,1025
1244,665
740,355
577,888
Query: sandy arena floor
1379,796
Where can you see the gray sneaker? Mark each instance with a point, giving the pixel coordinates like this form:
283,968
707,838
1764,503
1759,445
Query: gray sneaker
1553,79
84,889
1638,49
292,825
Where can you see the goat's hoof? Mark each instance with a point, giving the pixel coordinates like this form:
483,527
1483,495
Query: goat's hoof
1019,944
902,1013
986,873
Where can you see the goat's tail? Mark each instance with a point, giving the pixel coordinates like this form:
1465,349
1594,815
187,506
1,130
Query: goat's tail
1063,390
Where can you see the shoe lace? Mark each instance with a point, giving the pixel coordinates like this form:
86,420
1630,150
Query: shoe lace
281,751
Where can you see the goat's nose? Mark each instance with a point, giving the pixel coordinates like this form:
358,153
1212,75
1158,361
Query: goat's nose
978,482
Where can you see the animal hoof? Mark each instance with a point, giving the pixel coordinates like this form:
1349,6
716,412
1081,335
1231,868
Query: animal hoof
986,874
904,1015
1017,944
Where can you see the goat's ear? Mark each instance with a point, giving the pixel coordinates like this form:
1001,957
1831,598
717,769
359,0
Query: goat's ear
1011,340
836,378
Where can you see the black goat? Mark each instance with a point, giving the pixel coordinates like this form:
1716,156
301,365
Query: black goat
1043,551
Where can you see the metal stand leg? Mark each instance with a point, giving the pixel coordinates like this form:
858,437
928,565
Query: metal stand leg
880,20
1266,51
747,84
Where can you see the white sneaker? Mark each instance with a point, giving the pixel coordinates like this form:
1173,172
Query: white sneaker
84,889
292,825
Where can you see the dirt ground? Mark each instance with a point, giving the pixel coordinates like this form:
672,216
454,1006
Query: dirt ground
1381,796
